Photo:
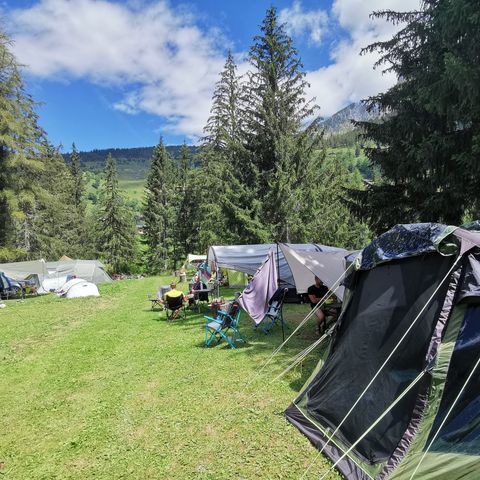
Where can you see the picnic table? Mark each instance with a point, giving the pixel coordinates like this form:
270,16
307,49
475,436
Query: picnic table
198,297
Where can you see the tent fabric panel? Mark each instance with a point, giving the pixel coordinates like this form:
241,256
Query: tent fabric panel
403,241
236,279
442,466
346,466
305,265
385,302
21,270
461,432
437,358
471,280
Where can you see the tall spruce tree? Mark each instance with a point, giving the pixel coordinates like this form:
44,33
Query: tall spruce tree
78,203
280,138
115,226
159,210
20,158
227,167
427,146
54,221
78,182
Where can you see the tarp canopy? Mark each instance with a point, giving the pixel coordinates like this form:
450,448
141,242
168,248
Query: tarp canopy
327,266
21,270
196,258
396,393
247,258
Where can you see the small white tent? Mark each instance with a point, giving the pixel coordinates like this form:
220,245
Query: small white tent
77,288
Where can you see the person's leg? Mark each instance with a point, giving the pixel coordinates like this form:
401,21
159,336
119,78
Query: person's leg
321,321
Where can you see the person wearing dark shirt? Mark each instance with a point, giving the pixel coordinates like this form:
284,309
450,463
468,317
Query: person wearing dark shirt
316,293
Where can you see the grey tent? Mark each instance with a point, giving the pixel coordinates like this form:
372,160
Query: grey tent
248,258
397,392
89,270
23,270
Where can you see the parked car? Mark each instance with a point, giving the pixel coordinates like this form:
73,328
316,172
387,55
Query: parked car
9,287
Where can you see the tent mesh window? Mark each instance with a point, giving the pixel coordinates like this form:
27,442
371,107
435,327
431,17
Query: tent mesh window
461,431
386,301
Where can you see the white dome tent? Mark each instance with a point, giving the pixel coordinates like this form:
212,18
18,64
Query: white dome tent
78,288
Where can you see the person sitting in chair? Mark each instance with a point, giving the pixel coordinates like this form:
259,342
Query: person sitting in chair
316,293
174,296
196,285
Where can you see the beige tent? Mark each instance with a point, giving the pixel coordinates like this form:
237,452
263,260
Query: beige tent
327,266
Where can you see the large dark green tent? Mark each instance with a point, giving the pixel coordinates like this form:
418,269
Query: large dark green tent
397,393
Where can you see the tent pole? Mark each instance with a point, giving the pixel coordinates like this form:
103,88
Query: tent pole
278,286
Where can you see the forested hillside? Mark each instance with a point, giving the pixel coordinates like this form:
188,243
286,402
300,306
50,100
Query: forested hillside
132,163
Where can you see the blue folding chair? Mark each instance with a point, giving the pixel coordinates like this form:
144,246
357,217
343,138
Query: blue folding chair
225,322
274,313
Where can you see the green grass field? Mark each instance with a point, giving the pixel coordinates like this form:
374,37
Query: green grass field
133,189
105,388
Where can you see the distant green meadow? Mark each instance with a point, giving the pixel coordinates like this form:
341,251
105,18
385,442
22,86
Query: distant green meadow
106,388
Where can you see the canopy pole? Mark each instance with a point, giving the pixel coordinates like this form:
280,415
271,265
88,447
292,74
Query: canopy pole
278,286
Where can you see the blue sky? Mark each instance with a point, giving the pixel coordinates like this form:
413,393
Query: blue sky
121,73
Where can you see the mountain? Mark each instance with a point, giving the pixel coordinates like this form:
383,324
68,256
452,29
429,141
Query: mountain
341,121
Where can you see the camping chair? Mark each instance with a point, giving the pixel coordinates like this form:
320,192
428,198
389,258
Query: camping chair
218,328
156,300
174,307
275,311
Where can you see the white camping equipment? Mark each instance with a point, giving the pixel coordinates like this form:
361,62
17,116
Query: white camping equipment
77,288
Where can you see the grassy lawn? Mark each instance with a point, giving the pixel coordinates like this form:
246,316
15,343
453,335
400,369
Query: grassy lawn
105,388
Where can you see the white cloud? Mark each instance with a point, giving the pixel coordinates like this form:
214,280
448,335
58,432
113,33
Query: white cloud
312,24
166,63
351,77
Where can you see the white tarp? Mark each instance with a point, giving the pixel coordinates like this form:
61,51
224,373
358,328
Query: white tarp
21,270
248,258
327,266
196,258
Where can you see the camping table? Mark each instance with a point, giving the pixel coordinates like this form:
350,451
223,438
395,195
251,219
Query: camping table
196,296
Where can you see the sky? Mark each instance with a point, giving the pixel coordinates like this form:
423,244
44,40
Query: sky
122,73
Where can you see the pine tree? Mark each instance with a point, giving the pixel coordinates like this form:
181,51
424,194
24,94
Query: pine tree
426,148
227,168
78,183
279,138
20,158
159,210
53,219
115,226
